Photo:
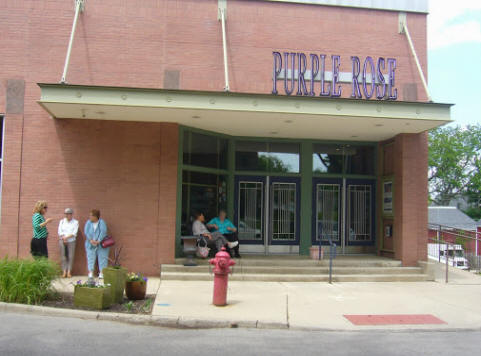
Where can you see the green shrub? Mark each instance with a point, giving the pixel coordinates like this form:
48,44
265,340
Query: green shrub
26,281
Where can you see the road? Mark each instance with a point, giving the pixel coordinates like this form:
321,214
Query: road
22,334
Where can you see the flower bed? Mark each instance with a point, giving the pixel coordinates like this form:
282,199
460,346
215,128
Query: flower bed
129,307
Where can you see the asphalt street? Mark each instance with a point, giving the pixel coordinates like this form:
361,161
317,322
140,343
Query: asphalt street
23,334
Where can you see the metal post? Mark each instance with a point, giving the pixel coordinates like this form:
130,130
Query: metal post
447,262
267,213
79,7
224,45
439,244
332,254
330,264
476,234
344,226
404,29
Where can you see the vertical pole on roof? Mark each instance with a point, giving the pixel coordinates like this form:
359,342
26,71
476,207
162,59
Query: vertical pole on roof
79,7
403,29
222,6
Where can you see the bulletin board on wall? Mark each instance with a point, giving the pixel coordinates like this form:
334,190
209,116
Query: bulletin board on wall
388,197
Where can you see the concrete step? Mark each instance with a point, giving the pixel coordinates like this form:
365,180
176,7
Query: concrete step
291,262
312,270
184,276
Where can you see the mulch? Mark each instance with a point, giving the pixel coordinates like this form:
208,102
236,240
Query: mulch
129,307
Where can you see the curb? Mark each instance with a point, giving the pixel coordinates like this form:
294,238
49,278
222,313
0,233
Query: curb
191,323
136,319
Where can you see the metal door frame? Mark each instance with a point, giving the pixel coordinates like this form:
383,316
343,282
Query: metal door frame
253,179
372,183
328,181
297,182
343,223
269,246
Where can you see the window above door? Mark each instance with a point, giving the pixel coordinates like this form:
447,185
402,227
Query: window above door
271,157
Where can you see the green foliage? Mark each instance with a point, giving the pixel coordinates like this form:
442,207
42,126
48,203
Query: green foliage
136,277
273,164
473,212
26,281
146,306
90,283
454,163
129,306
461,241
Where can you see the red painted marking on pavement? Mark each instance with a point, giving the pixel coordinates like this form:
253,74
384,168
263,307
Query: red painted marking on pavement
394,319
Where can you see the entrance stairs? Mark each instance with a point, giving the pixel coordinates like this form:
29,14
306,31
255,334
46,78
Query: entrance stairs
360,268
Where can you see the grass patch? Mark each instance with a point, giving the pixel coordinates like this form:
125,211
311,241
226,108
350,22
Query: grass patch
26,281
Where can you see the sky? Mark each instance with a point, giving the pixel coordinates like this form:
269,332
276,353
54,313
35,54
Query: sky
454,57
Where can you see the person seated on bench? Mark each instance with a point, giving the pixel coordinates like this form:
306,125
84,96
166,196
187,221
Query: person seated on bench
216,238
225,227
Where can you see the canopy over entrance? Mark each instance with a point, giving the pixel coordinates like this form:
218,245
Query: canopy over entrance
258,115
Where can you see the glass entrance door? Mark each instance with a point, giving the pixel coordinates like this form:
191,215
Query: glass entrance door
344,213
267,214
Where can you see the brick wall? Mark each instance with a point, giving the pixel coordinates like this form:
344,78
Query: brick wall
131,43
129,170
410,198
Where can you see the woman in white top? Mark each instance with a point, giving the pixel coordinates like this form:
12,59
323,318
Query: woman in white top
67,234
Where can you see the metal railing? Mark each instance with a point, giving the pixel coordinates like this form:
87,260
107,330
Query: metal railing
457,247
332,255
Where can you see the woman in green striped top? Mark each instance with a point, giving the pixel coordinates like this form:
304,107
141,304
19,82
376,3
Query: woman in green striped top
38,245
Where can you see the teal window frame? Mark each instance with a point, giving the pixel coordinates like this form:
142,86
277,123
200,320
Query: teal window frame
305,172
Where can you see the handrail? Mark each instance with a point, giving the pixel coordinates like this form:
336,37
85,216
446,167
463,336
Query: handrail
332,254
446,228
446,253
448,236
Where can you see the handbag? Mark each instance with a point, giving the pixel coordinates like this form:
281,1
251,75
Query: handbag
202,251
108,241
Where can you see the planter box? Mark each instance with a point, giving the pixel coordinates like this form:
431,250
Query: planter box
94,298
135,290
116,278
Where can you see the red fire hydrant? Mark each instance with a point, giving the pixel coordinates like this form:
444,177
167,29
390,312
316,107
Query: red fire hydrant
222,263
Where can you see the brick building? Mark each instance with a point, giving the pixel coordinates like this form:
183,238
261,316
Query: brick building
317,131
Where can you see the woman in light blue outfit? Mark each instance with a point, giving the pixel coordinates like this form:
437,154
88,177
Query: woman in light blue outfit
95,232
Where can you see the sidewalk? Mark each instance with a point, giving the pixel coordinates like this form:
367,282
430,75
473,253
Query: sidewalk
321,305
314,306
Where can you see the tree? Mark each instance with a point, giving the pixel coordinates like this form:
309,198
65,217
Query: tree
454,163
273,164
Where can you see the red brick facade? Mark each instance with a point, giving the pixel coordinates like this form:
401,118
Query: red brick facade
129,169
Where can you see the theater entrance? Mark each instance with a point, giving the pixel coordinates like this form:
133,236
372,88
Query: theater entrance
344,213
267,214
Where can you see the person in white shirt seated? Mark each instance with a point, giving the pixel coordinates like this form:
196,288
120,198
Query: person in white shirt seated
67,234
216,238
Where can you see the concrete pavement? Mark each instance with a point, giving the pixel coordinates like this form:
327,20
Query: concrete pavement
320,305
310,306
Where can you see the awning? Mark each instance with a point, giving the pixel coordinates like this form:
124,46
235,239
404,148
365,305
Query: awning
259,115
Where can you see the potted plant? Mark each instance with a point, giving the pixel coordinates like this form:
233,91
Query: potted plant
116,276
136,286
92,295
